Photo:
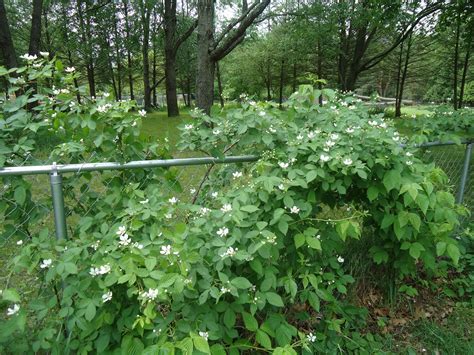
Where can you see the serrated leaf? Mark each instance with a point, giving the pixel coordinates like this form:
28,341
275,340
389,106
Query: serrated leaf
274,299
250,321
372,193
241,282
313,243
20,195
200,343
415,250
10,295
229,318
150,263
299,240
440,248
263,339
392,180
249,208
453,252
311,175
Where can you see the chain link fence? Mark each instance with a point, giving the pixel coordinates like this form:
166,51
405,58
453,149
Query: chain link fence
456,161
80,188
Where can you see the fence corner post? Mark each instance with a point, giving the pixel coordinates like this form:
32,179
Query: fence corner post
465,173
58,203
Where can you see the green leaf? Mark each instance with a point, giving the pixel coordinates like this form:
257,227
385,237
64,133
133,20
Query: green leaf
249,208
372,193
263,339
70,268
90,311
274,299
218,349
440,248
379,255
241,282
387,221
313,243
186,345
20,195
10,295
150,263
415,221
102,342
415,250
250,321
311,175
229,318
299,240
453,252
16,104
283,227
132,346
392,180
200,343
314,301
287,350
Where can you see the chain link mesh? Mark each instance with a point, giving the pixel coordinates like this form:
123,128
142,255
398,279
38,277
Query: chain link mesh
84,190
451,159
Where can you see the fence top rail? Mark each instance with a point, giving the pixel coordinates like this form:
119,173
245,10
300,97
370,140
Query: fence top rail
142,164
437,143
139,164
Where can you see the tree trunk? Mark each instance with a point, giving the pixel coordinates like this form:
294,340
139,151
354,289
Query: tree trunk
171,94
210,51
170,57
294,77
188,85
268,81
219,85
35,33
49,45
456,63
155,97
118,57
129,55
68,49
145,17
282,78
403,79
464,71
205,64
111,68
86,35
34,46
399,79
7,48
320,71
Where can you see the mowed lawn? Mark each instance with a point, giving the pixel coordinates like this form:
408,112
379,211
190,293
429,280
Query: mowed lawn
158,124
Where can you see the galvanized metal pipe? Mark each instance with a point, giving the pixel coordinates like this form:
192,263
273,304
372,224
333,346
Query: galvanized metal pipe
140,164
434,144
465,173
58,203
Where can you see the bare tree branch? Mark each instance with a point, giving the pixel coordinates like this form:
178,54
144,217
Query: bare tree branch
186,35
231,25
232,38
371,62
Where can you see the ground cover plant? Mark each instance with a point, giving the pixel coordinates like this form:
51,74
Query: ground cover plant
261,262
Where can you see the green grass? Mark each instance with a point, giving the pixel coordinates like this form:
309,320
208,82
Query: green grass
158,124
451,335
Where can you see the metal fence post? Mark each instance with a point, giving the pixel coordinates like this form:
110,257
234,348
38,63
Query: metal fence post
465,173
58,203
